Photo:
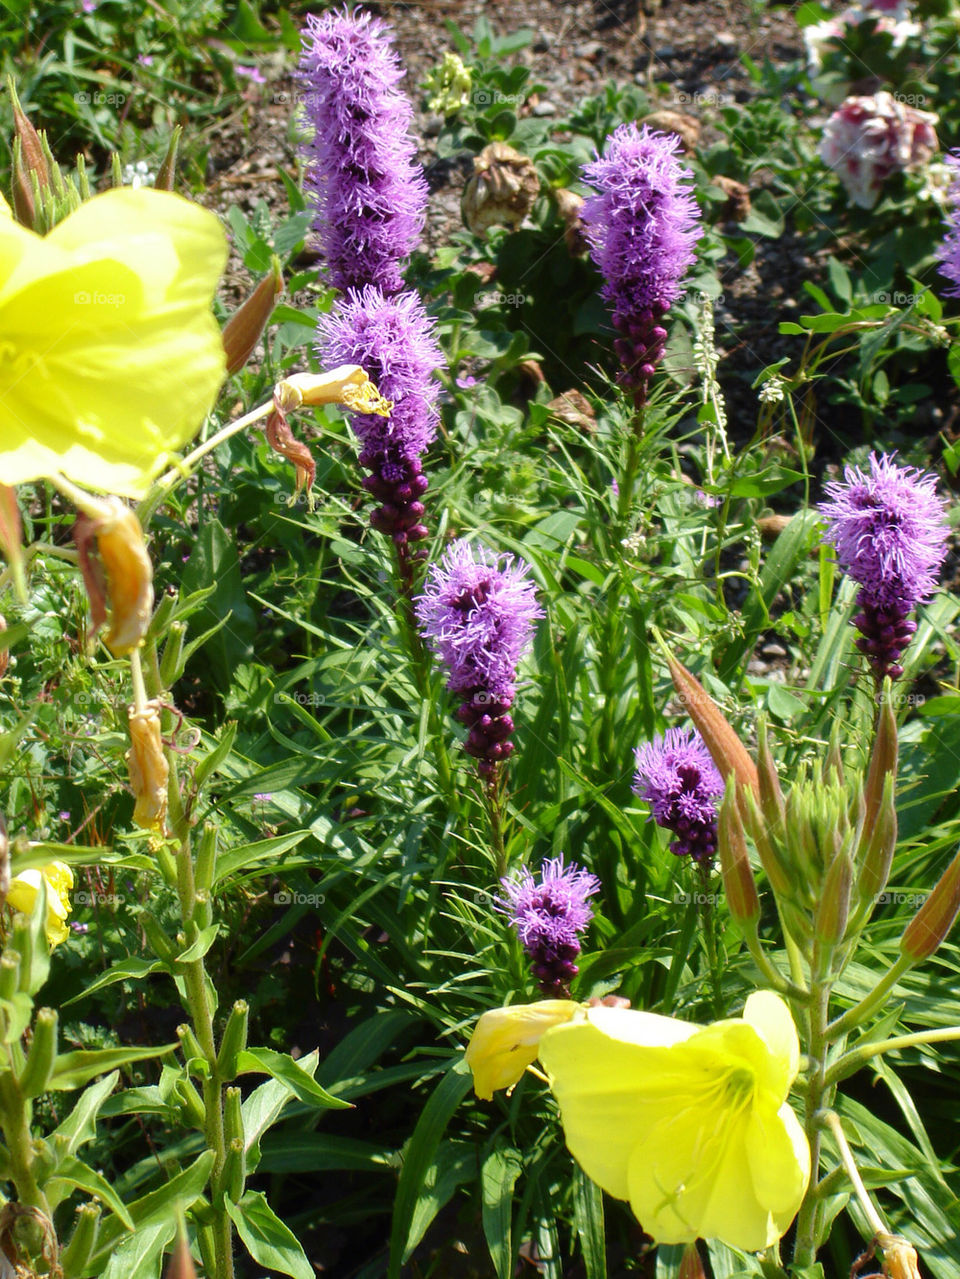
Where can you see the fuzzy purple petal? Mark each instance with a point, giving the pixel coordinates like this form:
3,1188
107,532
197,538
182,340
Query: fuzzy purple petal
477,612
368,193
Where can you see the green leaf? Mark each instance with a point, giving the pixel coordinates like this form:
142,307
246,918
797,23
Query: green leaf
199,947
162,1205
228,863
498,1176
73,1070
72,1173
266,1061
123,970
141,1255
213,759
588,1219
419,1156
80,1126
269,1242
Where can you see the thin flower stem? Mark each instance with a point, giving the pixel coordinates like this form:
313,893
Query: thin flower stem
493,794
856,1015
831,1120
855,1057
807,1241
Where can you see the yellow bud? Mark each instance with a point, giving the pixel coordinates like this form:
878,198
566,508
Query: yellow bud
148,767
505,1041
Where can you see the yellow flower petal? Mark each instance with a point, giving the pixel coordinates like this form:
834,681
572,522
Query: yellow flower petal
110,356
505,1041
25,888
689,1123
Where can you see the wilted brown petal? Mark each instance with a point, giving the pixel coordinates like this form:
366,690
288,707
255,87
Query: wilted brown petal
120,575
148,767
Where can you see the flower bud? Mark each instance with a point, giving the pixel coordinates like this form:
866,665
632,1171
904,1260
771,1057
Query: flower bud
148,767
181,1263
173,661
189,1044
691,1264
121,576
4,650
282,440
76,1256
877,846
833,908
501,190
168,167
933,921
29,164
9,974
768,847
728,752
883,759
738,881
191,1102
35,1076
242,331
234,1041
11,538
235,1169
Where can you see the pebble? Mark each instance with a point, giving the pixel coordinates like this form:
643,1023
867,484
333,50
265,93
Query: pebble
544,108
726,39
774,650
592,49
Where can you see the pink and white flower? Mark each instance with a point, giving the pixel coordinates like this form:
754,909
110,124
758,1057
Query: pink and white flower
869,138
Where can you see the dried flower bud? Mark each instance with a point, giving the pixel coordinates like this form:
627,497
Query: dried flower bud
771,526
501,191
282,440
687,127
181,1263
899,1257
347,385
121,576
738,882
933,921
569,205
148,767
243,330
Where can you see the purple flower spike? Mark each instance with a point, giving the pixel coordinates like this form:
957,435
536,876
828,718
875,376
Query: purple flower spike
641,227
477,613
368,193
549,917
678,778
889,532
949,250
392,340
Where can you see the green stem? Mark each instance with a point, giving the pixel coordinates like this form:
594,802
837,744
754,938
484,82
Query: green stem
708,922
493,791
831,1120
856,1015
856,1056
15,1123
805,1248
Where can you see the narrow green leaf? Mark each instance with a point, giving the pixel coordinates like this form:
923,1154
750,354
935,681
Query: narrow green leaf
266,1061
498,1177
588,1219
75,1069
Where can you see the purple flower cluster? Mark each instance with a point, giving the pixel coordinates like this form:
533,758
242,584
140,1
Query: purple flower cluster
679,779
392,340
949,250
889,533
549,917
477,612
641,227
369,195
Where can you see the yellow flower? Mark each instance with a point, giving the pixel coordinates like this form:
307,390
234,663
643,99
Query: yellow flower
690,1123
505,1041
109,354
25,887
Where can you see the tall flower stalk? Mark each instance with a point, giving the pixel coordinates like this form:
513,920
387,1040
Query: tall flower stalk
887,526
641,226
548,915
